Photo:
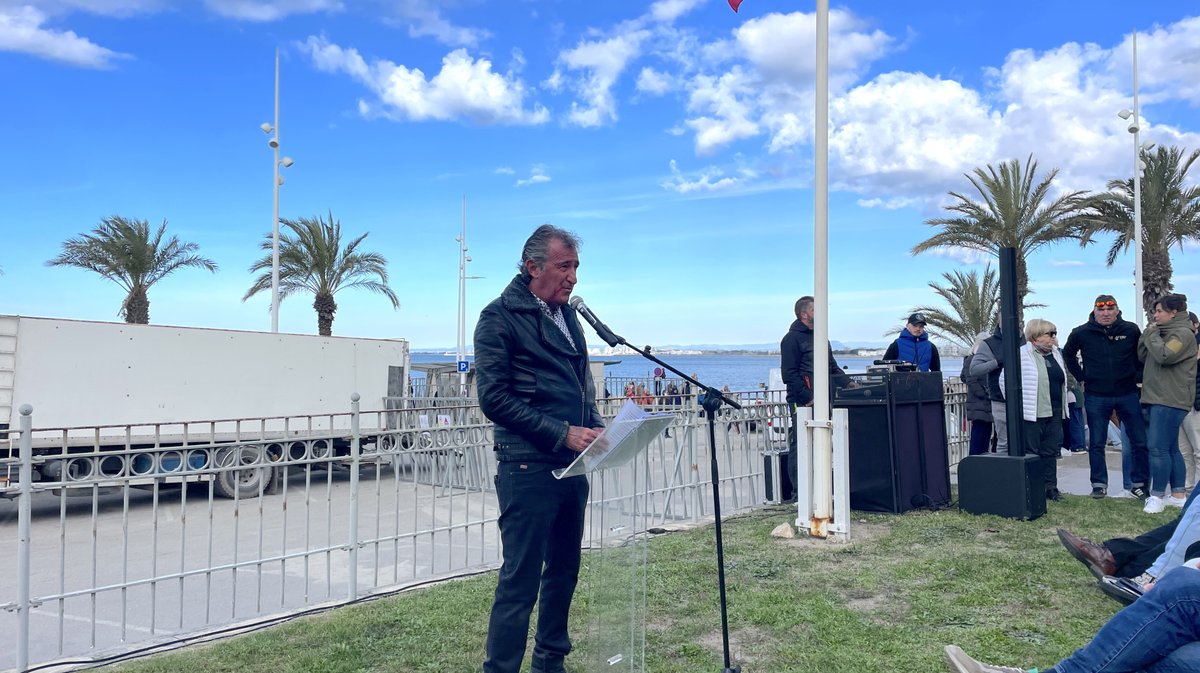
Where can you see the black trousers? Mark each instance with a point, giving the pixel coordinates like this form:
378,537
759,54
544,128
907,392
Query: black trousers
1133,556
541,529
1043,438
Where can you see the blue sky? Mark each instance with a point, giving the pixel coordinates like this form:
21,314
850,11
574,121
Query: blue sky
674,136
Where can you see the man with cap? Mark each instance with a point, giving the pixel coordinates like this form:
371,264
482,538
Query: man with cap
1102,355
913,345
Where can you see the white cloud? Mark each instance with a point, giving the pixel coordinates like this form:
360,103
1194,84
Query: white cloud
654,82
537,175
890,204
1066,263
464,88
23,29
269,10
669,10
729,100
602,62
708,180
504,170
425,20
961,255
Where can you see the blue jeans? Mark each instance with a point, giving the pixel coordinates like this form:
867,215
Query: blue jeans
1187,532
1159,633
1098,409
1073,436
1166,463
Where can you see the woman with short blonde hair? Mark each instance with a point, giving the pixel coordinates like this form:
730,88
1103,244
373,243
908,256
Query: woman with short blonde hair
1044,401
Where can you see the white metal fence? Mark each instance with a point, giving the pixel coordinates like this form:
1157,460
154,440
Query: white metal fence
127,542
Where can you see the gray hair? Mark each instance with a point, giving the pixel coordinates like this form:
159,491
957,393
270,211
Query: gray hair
537,247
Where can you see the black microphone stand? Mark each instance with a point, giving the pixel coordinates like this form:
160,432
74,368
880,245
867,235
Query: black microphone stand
713,399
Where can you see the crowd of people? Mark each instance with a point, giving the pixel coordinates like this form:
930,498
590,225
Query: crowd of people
1108,373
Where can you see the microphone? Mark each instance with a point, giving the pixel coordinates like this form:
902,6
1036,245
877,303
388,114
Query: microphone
605,333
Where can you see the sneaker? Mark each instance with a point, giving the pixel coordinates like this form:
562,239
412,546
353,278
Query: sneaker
1140,492
1079,449
1098,492
1175,502
1154,505
961,662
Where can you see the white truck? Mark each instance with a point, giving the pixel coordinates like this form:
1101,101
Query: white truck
99,386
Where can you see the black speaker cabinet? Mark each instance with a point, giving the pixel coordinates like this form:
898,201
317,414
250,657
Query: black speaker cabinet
1008,486
786,490
898,458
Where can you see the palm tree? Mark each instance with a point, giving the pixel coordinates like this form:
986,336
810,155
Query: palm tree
125,252
312,259
1012,214
1170,216
972,306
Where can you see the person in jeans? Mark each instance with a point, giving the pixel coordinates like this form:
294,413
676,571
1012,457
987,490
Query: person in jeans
1102,354
1189,432
1168,349
1158,633
535,385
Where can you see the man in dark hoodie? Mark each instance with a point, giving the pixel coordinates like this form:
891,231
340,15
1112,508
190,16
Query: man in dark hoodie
796,363
1102,355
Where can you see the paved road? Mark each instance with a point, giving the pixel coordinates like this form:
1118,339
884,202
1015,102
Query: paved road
411,531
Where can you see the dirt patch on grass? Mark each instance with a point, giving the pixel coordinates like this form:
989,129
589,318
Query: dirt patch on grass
860,532
745,644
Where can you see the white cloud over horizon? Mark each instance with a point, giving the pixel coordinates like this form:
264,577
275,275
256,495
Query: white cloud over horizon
24,29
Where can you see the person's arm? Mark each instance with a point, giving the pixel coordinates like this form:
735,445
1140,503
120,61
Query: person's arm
892,352
984,361
1168,349
935,360
498,383
1070,353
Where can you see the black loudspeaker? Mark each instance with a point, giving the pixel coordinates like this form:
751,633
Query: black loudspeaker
898,459
786,490
1008,486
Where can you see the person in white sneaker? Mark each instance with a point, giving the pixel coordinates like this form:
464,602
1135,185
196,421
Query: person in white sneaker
1160,633
1168,349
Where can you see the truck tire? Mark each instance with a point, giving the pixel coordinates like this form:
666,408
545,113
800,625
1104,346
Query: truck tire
247,482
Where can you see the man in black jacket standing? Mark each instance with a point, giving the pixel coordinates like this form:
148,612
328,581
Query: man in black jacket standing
1107,346
534,384
796,363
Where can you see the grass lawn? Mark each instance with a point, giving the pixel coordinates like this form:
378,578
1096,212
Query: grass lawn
887,601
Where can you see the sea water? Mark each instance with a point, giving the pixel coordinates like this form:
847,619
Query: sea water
741,371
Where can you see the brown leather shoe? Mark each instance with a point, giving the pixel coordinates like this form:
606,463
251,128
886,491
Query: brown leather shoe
1098,559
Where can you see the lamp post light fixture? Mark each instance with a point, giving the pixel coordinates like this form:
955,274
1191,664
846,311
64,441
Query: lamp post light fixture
286,162
463,259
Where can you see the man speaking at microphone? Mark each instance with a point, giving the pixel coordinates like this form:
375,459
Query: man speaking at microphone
534,384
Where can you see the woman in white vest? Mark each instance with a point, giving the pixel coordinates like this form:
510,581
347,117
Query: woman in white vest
1044,398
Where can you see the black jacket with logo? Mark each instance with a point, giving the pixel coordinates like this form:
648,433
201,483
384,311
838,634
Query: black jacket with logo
1110,361
532,383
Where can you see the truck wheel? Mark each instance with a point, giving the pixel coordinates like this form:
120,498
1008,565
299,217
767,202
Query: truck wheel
246,482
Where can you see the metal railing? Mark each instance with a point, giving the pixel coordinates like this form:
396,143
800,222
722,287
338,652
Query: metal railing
321,510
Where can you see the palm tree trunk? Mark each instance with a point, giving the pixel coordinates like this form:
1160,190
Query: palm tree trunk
1022,289
326,307
136,308
1156,278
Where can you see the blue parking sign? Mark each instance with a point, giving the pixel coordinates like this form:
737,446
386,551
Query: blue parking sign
464,366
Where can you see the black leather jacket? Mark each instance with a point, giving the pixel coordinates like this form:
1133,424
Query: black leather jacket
532,384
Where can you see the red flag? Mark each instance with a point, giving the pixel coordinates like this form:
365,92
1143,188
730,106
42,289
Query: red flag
735,4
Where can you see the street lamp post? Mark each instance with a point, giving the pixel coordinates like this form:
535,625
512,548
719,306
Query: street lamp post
463,258
1135,129
285,162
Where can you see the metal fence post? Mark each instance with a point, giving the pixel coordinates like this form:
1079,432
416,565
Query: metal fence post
352,577
23,543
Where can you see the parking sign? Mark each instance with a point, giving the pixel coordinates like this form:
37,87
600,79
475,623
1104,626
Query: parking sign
464,366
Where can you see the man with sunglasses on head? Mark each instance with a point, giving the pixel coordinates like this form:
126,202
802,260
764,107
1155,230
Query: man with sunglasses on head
1102,355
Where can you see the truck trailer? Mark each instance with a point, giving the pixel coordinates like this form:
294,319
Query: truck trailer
101,386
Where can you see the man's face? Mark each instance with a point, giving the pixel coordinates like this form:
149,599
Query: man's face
1105,312
809,315
1162,316
915,329
553,282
